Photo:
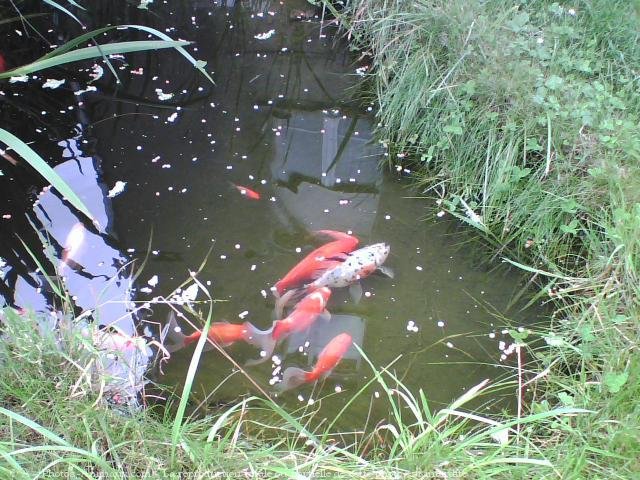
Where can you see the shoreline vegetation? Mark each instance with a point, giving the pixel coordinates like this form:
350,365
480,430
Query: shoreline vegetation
522,119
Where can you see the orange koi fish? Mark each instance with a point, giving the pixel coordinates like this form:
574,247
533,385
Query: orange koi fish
222,333
329,357
315,263
304,314
247,192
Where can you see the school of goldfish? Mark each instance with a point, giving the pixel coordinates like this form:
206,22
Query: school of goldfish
335,264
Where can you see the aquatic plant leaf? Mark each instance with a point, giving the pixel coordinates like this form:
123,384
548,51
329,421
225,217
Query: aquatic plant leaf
36,161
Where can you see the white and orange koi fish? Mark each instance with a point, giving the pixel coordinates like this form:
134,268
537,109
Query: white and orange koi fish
359,264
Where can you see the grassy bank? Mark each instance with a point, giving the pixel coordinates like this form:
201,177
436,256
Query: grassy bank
56,421
522,117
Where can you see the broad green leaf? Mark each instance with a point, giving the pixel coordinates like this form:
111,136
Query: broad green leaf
570,228
615,381
553,82
566,399
36,161
453,128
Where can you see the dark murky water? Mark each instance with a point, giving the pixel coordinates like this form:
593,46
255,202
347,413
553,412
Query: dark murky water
281,120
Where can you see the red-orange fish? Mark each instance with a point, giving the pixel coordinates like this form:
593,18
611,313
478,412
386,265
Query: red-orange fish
329,357
3,64
222,333
247,192
304,314
322,258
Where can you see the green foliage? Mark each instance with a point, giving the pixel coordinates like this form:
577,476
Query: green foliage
53,422
526,114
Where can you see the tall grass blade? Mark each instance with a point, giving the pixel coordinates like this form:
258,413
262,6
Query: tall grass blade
35,427
92,52
102,50
63,10
36,161
188,383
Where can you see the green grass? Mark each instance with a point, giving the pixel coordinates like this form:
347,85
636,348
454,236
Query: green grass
54,421
522,116
533,143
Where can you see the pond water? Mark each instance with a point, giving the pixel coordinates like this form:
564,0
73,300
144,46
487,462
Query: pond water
283,120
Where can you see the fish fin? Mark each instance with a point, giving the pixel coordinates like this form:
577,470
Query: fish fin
261,339
386,271
324,265
334,235
292,377
325,315
282,301
355,290
337,258
173,333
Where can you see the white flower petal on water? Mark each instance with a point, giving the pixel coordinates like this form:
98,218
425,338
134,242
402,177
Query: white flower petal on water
96,72
163,96
153,281
90,88
190,293
21,78
265,35
53,83
117,189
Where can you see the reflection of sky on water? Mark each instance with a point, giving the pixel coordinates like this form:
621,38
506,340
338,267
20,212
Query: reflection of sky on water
96,277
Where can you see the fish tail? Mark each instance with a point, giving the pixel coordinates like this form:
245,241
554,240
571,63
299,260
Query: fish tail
292,378
285,299
262,339
173,333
